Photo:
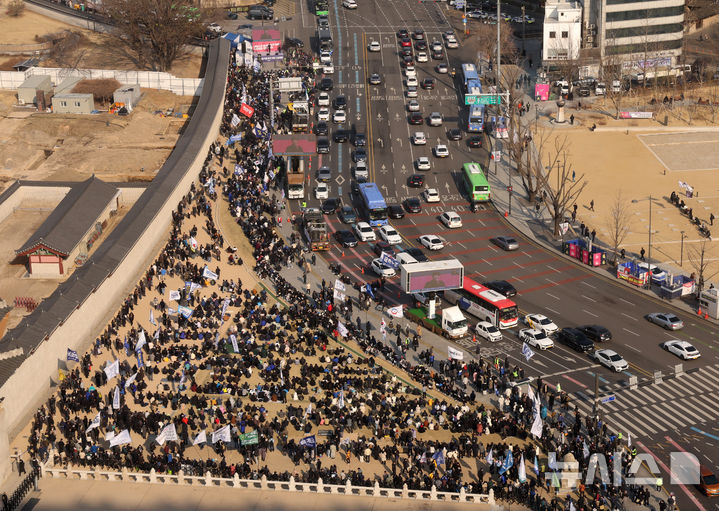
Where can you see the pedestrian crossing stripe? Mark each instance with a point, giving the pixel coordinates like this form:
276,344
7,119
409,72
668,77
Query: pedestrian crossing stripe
679,402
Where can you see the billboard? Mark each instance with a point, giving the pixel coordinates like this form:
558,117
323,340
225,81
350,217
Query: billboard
432,276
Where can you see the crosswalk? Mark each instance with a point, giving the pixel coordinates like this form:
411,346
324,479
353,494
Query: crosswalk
677,403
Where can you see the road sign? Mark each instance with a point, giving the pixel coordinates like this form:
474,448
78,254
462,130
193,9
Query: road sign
497,155
509,188
609,399
482,99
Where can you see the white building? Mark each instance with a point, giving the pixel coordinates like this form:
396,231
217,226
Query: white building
562,30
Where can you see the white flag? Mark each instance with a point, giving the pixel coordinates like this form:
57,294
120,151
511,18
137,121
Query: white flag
157,334
396,312
152,318
131,379
339,285
141,341
530,393
522,470
121,439
94,424
112,370
221,434
537,426
629,439
116,399
455,354
342,329
339,295
235,120
168,434
527,351
174,295
201,438
209,274
233,338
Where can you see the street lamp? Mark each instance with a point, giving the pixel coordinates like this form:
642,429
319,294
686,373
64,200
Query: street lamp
524,51
650,229
681,256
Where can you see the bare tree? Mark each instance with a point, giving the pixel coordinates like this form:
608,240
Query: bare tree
155,31
486,37
618,223
701,263
561,184
612,73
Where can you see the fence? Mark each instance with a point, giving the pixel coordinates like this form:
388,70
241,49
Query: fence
27,484
209,481
25,301
146,79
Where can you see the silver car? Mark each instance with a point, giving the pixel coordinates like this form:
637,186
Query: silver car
666,320
506,242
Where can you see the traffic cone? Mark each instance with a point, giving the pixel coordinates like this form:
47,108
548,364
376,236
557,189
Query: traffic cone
699,312
362,270
706,315
343,253
506,214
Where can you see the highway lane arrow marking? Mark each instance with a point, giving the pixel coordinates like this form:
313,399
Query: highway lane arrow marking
383,169
358,117
379,117
399,141
396,116
384,187
392,89
446,184
381,143
406,192
403,169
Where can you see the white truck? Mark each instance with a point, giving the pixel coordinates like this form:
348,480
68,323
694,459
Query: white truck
454,324
295,177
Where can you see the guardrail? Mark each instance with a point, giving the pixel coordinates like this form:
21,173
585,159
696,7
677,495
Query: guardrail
264,484
17,498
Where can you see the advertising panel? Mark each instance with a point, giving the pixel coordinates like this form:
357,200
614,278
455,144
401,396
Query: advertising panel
432,276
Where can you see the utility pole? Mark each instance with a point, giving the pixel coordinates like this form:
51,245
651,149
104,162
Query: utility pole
681,256
524,50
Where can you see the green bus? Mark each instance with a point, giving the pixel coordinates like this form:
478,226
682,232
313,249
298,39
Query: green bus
322,8
476,182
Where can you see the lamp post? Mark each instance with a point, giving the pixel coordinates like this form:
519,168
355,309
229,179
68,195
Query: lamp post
681,256
649,260
524,50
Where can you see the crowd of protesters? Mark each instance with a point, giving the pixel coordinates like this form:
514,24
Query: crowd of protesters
270,363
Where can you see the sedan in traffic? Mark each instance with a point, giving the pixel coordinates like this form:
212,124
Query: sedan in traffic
428,83
474,142
442,69
454,134
422,163
597,333
536,338
682,349
431,241
375,79
390,235
383,246
441,151
666,320
413,205
431,195
348,215
382,269
415,118
395,211
330,206
611,360
364,232
488,331
417,254
506,242
501,287
346,238
374,46
415,181
540,322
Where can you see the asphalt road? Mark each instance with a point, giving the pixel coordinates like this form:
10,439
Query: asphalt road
675,415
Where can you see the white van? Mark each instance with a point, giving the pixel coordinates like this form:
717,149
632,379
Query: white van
405,258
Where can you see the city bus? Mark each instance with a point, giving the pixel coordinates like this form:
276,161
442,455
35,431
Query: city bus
469,74
475,118
483,303
322,8
373,203
476,182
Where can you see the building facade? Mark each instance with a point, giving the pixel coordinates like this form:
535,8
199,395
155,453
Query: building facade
562,35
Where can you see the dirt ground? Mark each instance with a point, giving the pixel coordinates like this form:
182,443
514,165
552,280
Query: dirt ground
98,51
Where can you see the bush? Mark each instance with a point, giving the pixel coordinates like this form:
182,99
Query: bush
101,89
15,8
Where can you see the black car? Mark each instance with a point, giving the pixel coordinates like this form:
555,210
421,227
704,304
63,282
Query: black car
293,42
383,246
321,128
416,181
346,239
360,140
415,118
354,188
475,141
417,254
359,154
402,33
341,136
596,333
348,215
375,79
323,145
454,134
413,205
340,103
575,339
420,46
330,206
501,286
427,83
437,55
326,84
406,52
407,61
395,211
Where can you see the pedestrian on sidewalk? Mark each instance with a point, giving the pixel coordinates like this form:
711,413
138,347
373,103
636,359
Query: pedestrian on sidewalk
591,205
594,234
641,254
711,219
574,174
571,121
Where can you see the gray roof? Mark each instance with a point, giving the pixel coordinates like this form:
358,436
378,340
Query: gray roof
73,217
36,82
77,288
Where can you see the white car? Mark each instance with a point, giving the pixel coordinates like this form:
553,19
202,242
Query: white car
435,119
349,4
422,57
374,46
323,99
540,322
424,299
381,269
322,191
328,69
390,235
611,359
423,163
441,151
413,105
431,195
411,81
451,219
339,117
214,27
682,349
323,114
431,241
488,331
536,338
412,92
442,69
410,71
325,57
658,275
364,232
419,138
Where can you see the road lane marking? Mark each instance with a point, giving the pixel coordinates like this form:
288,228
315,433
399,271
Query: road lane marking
590,313
628,316
633,333
590,299
590,285
633,348
552,310
627,301
550,294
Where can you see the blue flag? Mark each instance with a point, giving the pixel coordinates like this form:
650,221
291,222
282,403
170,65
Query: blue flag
309,441
438,457
72,355
368,290
140,359
536,465
127,347
508,462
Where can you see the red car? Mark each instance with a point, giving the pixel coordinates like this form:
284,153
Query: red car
416,181
405,41
428,83
416,118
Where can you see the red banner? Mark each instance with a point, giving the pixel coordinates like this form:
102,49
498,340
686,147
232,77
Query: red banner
247,110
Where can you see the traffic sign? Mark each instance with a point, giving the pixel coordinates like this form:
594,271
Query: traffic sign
509,188
609,399
482,99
